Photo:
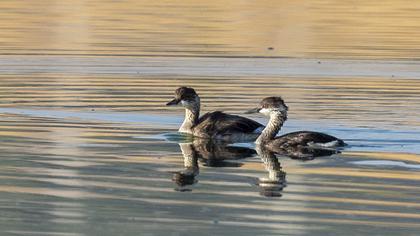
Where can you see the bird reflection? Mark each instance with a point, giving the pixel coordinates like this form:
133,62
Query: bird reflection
186,177
273,184
303,153
208,153
220,154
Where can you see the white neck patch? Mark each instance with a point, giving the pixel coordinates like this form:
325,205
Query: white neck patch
189,104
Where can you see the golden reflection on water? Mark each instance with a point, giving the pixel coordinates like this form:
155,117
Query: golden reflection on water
137,173
110,167
321,28
83,174
362,101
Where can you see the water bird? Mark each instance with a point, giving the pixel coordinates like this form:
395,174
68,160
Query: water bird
213,125
300,144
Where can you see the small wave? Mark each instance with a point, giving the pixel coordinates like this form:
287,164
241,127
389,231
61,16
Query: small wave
118,117
387,163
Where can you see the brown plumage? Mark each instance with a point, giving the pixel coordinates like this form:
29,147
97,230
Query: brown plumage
304,138
223,126
270,102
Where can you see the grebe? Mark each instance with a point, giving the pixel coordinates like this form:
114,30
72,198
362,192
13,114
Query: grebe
309,142
213,125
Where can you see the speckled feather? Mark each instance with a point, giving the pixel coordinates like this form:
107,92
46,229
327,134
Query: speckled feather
303,138
218,123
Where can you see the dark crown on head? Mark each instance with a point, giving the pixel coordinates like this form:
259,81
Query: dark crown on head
272,102
185,93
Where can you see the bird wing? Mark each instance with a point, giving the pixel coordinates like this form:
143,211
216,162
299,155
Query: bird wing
220,123
304,138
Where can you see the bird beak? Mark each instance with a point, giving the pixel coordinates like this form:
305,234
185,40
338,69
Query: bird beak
173,102
255,110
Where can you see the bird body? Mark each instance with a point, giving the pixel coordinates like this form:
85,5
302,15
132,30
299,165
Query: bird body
213,125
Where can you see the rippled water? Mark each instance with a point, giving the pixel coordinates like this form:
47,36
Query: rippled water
88,146
96,153
316,28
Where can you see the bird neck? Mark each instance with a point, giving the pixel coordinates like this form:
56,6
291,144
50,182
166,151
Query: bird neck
274,125
192,114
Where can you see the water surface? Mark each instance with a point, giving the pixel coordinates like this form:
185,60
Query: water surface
88,146
96,154
268,28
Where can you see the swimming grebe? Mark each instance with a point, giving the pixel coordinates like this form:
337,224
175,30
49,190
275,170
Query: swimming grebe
313,142
213,125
